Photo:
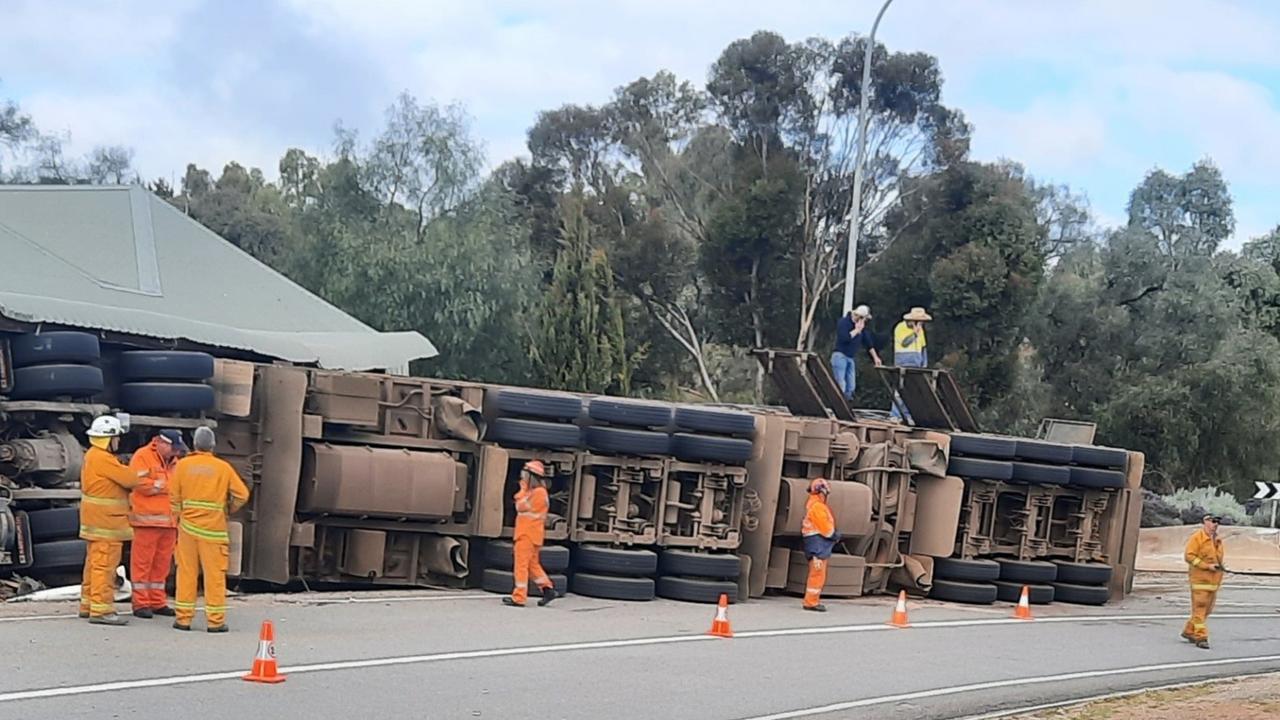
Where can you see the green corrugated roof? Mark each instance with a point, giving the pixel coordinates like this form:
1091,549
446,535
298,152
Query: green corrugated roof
122,259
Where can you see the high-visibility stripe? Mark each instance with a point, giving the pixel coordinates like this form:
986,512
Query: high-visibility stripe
1204,586
533,515
184,605
203,533
162,518
102,606
97,500
1195,561
215,608
106,533
205,504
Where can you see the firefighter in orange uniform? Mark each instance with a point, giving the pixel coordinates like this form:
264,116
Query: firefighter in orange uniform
532,504
154,529
820,538
203,491
1204,568
104,519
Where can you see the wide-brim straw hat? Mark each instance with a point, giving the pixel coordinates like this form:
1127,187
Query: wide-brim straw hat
918,314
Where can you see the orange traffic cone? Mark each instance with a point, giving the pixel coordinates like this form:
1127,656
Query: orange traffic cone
720,626
264,663
1023,611
899,619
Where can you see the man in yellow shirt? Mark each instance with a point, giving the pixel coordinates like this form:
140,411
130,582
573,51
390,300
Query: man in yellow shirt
1204,558
910,349
104,519
203,491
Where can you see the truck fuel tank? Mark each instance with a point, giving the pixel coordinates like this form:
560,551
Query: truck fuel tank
379,482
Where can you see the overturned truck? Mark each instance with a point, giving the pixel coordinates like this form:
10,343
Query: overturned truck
386,480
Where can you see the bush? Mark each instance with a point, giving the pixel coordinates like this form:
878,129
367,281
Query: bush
1194,504
1157,511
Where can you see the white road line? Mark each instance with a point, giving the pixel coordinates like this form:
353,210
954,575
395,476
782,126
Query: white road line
1111,696
996,684
571,647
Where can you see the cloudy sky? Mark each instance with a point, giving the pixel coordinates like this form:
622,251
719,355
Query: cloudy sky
1090,93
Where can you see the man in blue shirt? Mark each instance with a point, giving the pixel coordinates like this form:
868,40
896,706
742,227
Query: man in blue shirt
852,337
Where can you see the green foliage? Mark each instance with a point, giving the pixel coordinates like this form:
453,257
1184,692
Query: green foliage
579,340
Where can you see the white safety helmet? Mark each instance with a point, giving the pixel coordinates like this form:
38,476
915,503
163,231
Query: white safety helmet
106,426
862,311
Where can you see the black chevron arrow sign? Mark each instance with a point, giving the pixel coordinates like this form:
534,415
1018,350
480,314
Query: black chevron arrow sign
1267,491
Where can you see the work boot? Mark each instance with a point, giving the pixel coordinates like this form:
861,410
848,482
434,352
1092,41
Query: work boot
179,626
165,611
110,619
218,628
512,603
816,608
548,594
1188,637
84,614
1202,644
144,613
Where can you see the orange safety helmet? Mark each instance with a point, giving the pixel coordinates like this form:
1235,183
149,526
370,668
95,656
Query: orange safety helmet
819,485
536,468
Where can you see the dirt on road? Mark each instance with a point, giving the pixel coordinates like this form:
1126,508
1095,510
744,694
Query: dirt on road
1256,698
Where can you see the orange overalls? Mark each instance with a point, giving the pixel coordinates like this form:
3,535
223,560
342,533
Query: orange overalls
204,490
1202,552
819,531
104,522
154,530
531,517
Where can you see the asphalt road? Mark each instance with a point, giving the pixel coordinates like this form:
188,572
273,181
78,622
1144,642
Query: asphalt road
464,655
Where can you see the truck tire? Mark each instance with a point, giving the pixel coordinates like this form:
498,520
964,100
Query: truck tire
40,382
54,348
696,589
1035,473
54,523
1097,479
1099,457
716,422
59,555
1012,592
629,413
616,561
504,581
979,571
145,397
988,446
612,588
698,448
621,441
963,592
1044,452
1081,594
535,404
533,433
696,564
1083,573
500,555
1027,571
979,469
165,365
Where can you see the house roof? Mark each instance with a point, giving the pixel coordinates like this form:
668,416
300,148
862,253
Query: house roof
121,259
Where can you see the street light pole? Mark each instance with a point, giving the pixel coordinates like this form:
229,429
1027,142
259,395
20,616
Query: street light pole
855,219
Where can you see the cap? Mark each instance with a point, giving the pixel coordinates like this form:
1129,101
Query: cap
1211,516
819,485
862,311
535,467
174,438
